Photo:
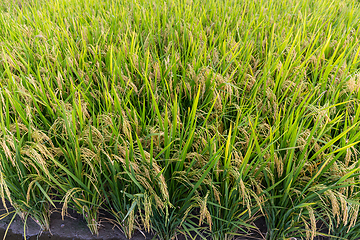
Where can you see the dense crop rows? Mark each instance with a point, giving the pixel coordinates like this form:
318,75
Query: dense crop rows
183,115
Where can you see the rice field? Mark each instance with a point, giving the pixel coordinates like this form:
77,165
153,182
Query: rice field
183,116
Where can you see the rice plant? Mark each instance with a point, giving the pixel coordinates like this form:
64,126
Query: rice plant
183,117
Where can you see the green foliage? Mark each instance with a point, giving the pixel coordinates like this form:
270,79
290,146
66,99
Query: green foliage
183,116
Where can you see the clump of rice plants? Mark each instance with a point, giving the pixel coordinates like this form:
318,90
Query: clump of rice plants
183,117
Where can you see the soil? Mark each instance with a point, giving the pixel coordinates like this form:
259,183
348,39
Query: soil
73,227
